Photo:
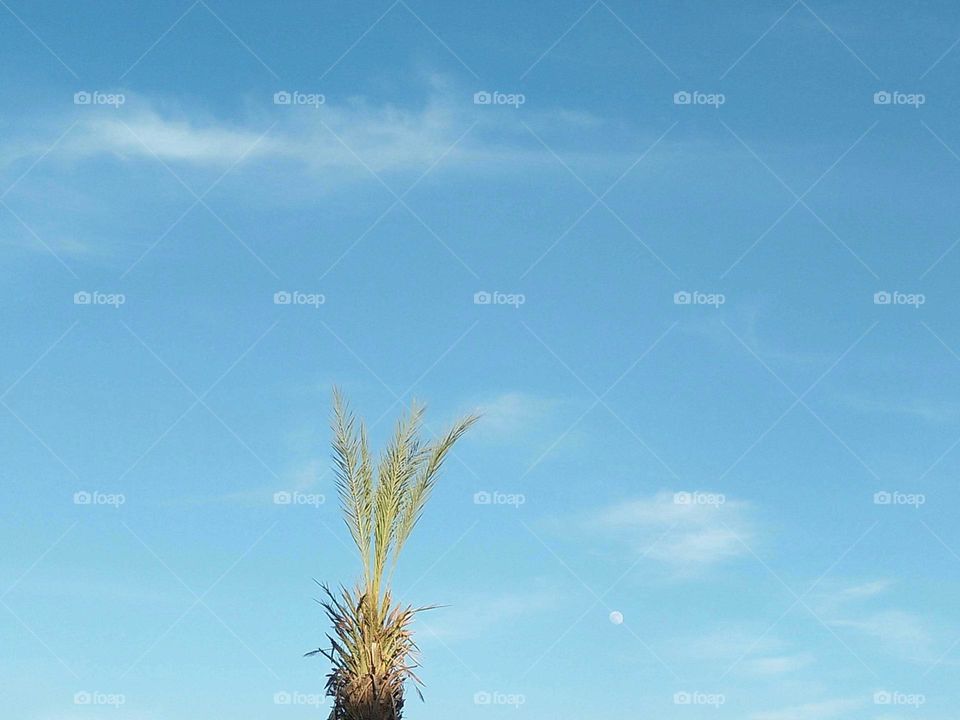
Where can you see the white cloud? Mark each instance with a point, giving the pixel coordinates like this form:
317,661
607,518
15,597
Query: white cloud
730,642
900,632
751,648
824,710
693,534
752,323
864,590
930,410
384,136
64,245
512,413
148,133
276,155
778,665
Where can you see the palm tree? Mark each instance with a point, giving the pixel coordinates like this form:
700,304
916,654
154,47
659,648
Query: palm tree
372,647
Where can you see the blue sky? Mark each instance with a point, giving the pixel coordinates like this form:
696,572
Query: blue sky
720,367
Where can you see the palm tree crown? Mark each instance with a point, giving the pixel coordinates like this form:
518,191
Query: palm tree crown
372,647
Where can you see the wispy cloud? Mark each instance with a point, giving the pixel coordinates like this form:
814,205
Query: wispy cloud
750,647
758,327
345,135
683,535
930,410
512,413
824,710
778,664
384,137
730,641
902,633
267,155
64,244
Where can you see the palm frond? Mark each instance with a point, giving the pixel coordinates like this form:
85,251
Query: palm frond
353,477
418,491
371,647
398,465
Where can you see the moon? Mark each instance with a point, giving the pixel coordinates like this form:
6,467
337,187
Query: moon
616,617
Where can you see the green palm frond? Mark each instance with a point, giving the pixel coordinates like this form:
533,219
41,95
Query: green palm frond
427,471
399,464
372,649
354,477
